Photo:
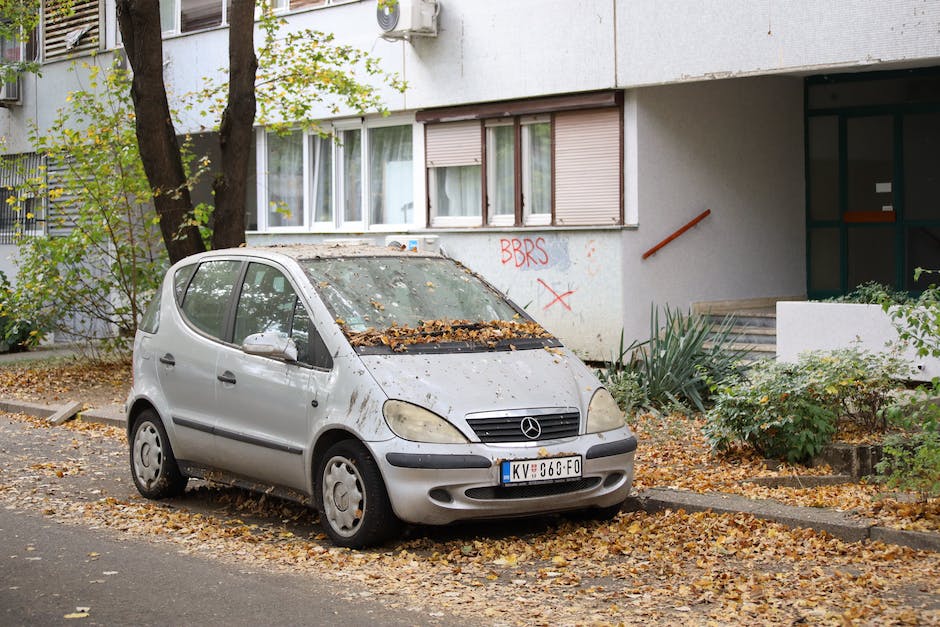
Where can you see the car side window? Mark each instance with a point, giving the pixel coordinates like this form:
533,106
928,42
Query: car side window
268,303
150,323
181,280
207,298
310,347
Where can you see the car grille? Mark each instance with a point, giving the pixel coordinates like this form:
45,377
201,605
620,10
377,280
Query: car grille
531,491
493,429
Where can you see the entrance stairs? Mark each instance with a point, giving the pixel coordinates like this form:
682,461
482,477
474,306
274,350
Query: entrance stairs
754,333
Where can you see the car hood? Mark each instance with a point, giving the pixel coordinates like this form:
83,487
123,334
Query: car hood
453,385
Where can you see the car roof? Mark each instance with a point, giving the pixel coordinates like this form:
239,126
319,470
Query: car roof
329,250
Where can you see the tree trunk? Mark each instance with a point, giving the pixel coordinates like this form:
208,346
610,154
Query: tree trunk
236,129
139,21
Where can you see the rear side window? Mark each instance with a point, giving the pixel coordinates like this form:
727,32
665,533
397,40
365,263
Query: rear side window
181,280
208,295
151,320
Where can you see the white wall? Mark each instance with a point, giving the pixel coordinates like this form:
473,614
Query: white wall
735,147
813,326
661,42
8,256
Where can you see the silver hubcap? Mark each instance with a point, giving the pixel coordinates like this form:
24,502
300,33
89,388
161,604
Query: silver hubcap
343,498
148,454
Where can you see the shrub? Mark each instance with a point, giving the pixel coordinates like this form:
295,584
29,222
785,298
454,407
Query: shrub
912,463
872,293
674,367
16,332
911,460
790,411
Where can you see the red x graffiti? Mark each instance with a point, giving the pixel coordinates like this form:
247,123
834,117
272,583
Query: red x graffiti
559,298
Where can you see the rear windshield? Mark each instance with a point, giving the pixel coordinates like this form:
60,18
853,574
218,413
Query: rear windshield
397,302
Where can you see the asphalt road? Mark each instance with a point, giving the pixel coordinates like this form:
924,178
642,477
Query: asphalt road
50,571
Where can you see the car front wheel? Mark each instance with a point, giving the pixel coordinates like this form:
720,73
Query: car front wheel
356,512
153,467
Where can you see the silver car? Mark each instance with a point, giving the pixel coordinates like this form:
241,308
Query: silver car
376,384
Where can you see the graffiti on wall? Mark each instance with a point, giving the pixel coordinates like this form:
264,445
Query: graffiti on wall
533,253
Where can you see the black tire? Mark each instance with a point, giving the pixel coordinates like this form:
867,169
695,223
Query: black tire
354,508
153,466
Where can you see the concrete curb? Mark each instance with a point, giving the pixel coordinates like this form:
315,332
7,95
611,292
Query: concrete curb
109,415
835,523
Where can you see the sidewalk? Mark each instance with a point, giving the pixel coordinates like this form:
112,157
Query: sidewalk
836,523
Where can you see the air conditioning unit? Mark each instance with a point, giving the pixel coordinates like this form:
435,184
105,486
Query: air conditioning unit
10,92
408,18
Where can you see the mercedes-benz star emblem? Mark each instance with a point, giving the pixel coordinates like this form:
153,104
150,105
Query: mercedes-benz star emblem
530,428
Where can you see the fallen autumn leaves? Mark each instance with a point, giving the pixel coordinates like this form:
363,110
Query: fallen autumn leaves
639,569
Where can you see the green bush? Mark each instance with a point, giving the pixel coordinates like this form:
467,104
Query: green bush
872,293
911,460
674,367
16,333
790,411
912,463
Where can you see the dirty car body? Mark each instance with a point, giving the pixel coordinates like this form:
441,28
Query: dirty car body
378,385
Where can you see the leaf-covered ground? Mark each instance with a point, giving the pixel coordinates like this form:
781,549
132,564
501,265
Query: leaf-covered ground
672,452
640,569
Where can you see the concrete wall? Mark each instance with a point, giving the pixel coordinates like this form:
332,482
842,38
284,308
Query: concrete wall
812,326
735,147
662,42
8,256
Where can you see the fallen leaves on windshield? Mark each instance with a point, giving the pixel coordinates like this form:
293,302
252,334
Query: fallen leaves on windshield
488,334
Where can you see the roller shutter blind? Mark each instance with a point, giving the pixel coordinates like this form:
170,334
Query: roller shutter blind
80,22
453,144
588,148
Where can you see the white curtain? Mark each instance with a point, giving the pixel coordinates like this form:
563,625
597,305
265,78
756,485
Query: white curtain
285,179
390,175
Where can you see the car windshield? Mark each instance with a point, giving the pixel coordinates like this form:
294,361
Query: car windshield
398,301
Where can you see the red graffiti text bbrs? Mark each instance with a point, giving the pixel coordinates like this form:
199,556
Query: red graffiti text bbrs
524,253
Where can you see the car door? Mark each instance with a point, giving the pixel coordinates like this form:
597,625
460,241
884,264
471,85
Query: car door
265,404
187,350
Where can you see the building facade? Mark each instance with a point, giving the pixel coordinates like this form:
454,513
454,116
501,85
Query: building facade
551,144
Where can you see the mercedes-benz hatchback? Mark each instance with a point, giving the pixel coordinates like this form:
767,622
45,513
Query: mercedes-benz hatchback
378,385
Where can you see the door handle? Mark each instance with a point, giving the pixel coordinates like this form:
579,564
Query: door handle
226,377
168,360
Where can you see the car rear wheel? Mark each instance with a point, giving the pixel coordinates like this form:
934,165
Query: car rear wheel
355,510
153,467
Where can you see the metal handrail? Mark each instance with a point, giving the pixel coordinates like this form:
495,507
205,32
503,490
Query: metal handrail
652,251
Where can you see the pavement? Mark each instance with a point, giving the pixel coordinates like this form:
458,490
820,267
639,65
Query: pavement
838,524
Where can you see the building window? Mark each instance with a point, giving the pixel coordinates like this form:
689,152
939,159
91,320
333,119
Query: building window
285,180
293,5
22,206
354,179
186,16
557,168
72,30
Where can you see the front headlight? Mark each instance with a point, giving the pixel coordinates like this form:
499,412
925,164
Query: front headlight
603,413
417,424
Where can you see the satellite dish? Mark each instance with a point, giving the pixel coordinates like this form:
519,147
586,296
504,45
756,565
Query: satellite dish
387,17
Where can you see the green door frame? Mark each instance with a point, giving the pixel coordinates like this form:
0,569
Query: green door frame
898,112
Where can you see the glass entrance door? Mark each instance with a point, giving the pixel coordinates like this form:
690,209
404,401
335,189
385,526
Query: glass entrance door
872,183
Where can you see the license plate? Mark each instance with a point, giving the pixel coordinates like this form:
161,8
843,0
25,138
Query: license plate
539,470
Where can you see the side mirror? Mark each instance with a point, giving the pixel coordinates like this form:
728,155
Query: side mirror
271,344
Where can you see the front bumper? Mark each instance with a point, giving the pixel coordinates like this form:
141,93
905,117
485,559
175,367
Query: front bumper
439,484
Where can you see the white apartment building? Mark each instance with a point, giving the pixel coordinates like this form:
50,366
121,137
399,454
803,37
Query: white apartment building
552,144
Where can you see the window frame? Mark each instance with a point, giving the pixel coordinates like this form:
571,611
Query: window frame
337,223
178,20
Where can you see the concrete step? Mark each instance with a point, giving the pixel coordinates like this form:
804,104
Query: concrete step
748,347
759,319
